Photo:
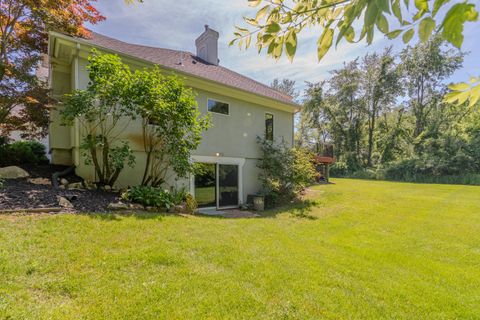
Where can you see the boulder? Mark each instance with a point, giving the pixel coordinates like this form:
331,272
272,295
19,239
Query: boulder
13,172
64,203
117,206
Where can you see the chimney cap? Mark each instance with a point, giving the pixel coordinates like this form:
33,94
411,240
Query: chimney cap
206,27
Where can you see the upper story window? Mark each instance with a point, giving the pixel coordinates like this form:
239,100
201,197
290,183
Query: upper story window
269,126
218,107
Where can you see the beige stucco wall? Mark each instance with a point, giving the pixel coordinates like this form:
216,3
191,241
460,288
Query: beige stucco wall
232,135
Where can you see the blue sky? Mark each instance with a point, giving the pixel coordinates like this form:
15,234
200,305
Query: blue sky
176,25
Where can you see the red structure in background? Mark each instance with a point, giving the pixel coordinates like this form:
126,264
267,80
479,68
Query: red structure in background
323,160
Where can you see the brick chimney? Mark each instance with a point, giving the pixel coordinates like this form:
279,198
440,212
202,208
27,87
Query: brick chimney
207,46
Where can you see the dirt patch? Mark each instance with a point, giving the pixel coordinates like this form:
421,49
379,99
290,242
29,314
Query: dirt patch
27,193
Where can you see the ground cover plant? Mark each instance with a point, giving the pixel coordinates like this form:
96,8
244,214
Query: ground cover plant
363,250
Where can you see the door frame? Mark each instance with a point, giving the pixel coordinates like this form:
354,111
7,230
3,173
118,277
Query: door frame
220,160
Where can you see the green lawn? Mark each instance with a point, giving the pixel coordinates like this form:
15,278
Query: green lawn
366,250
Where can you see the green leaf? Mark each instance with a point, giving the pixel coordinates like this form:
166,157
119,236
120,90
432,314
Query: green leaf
350,34
397,11
422,5
325,42
437,5
254,3
455,19
382,23
407,36
425,28
462,86
291,44
371,14
394,34
232,42
262,12
273,27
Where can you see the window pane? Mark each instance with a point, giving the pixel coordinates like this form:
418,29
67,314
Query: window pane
269,126
205,184
218,107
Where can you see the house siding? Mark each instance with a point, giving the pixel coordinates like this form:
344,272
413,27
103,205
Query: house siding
232,135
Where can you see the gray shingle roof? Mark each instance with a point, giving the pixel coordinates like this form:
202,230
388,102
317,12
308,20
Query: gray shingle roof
191,64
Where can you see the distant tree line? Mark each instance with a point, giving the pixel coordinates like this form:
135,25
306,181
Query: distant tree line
386,117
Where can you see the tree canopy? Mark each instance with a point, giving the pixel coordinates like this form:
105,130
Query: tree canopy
23,39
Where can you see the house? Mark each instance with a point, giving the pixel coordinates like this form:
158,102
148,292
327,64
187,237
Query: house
241,109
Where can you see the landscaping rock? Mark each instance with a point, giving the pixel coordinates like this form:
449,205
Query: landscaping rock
117,206
76,185
181,208
136,206
107,188
64,182
41,181
13,172
64,203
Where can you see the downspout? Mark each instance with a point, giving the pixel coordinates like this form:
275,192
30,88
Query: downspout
76,126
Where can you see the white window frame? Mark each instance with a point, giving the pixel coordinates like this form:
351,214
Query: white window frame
240,162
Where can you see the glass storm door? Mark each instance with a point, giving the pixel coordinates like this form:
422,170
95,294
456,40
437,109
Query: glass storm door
227,185
206,185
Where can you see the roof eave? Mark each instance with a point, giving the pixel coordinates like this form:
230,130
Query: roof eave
296,107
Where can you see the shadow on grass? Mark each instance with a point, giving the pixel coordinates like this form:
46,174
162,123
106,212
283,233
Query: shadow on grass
299,209
118,215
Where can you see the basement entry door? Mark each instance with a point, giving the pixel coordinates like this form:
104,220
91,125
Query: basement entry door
217,185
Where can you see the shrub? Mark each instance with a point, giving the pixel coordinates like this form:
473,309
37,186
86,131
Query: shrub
2,183
22,152
191,203
286,172
155,197
339,169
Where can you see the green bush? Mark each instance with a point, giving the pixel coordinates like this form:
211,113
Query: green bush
155,197
22,152
285,171
339,169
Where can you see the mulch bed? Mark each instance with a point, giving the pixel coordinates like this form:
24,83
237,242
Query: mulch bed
20,194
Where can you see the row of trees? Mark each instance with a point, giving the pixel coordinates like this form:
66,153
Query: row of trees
386,112
115,96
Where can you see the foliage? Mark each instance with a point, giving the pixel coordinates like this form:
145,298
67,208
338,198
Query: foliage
171,124
23,40
22,153
386,117
2,183
278,23
285,171
103,111
191,204
286,86
155,197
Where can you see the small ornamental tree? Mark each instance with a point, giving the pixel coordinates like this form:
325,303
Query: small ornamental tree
103,111
171,124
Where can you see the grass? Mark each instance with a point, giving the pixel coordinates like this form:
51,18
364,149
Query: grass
357,250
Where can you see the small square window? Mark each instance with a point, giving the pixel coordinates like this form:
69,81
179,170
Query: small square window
218,107
269,126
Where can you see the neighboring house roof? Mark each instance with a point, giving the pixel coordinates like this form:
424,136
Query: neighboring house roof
188,63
